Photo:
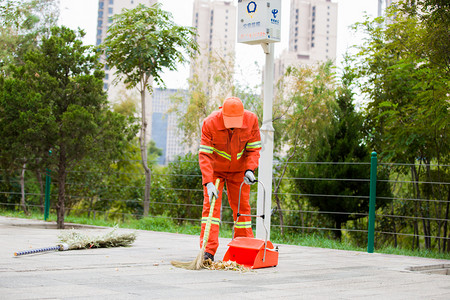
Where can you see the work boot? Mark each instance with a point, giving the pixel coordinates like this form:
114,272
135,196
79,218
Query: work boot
208,256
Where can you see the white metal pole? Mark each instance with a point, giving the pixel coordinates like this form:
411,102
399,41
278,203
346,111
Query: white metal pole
266,159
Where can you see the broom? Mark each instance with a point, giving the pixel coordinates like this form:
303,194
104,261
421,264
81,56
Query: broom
74,240
197,263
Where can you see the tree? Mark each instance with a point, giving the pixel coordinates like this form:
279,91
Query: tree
23,24
68,113
301,115
403,67
20,143
343,145
141,43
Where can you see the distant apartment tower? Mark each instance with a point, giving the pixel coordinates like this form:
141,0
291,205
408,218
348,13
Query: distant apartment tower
215,22
166,134
312,34
106,9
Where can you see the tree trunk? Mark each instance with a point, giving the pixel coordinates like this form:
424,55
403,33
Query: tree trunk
446,241
22,189
143,145
394,227
338,231
41,191
60,206
280,213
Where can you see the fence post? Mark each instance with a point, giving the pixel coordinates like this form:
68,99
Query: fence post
48,182
372,200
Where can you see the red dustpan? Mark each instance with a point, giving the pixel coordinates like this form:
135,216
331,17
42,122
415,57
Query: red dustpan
251,252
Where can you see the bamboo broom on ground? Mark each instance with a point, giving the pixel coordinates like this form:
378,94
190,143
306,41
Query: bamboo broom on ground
198,263
75,240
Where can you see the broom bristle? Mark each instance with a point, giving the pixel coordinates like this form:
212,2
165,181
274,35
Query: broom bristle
196,264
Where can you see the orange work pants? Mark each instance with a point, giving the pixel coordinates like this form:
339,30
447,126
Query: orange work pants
244,225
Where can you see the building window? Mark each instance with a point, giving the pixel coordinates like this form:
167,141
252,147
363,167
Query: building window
99,32
100,5
312,45
99,41
105,86
100,23
111,1
100,15
110,10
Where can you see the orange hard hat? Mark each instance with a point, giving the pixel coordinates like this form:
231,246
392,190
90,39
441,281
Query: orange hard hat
233,112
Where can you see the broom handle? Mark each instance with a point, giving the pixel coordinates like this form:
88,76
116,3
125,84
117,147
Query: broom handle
53,248
208,221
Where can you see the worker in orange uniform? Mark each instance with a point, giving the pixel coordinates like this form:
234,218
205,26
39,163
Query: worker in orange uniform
229,150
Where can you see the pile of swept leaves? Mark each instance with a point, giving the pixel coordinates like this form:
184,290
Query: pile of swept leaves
224,265
77,240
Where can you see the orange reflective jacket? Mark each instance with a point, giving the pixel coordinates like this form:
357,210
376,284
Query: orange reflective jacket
224,150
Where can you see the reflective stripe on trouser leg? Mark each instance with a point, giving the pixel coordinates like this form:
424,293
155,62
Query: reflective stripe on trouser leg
213,240
244,225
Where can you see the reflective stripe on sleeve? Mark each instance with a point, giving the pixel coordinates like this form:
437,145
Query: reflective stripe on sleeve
206,149
254,145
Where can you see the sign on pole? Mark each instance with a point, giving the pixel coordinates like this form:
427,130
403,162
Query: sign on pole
259,21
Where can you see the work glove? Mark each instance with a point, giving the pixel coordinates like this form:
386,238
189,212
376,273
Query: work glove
249,177
211,189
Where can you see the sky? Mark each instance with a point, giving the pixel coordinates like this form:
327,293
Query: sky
249,58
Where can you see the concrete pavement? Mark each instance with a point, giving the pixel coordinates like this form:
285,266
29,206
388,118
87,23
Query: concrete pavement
143,271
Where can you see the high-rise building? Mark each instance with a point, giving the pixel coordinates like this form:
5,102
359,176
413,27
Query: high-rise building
216,27
312,34
166,134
